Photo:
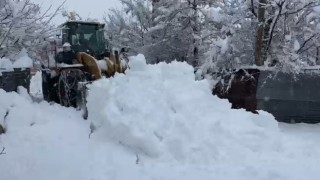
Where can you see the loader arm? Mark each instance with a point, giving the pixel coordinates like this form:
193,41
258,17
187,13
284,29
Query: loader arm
90,64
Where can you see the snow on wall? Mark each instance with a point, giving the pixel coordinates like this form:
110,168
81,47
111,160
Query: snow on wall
22,61
5,64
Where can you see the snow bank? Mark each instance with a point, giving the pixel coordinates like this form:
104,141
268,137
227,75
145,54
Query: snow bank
161,111
42,141
155,122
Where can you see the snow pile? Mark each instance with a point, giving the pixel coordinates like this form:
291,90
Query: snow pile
49,141
155,122
161,111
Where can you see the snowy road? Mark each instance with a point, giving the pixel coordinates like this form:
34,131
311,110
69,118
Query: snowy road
157,123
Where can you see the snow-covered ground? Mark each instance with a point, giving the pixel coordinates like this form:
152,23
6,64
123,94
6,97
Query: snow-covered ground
155,122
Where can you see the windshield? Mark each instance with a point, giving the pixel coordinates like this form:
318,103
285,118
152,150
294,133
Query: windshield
87,38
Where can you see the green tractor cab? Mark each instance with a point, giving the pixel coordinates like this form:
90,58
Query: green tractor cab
86,37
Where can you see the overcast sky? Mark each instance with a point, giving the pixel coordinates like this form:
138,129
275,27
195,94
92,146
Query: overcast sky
85,8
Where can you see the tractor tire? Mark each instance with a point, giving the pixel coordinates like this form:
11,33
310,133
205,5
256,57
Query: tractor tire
68,86
49,88
45,86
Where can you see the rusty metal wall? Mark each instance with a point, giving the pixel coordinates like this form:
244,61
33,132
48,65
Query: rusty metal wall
290,99
9,81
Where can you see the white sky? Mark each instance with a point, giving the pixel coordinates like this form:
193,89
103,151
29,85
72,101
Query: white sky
94,9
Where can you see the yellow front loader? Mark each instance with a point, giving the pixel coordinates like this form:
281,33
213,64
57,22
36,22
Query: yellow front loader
93,59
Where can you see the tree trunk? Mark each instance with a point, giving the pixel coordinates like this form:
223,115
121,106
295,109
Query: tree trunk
154,10
155,6
196,34
260,54
317,58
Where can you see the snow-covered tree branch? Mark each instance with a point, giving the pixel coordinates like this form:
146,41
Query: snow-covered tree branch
220,34
24,25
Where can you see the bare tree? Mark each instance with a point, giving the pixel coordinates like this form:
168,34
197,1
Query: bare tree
260,48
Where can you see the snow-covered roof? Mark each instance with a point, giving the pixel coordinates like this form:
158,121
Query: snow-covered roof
83,22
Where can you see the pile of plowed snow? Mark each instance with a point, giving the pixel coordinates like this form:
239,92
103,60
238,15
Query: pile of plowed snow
161,111
155,122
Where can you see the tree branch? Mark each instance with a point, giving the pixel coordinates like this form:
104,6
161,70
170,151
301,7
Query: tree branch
252,9
309,5
305,42
2,151
274,23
